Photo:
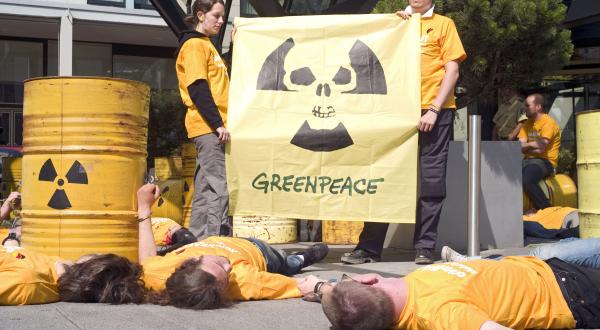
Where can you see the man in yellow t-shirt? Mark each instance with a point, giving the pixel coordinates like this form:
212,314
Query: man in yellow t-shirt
540,143
514,293
441,54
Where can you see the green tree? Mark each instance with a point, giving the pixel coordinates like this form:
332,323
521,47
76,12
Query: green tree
166,131
509,43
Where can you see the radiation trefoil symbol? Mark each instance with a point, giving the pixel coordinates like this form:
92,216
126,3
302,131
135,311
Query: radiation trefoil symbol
160,198
366,73
76,174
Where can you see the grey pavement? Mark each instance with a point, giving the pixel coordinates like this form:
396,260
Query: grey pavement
286,314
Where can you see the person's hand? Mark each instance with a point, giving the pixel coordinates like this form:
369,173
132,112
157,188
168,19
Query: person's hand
224,135
13,198
427,121
233,32
306,285
146,196
402,14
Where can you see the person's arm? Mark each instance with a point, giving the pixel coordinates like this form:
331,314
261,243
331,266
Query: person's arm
253,284
451,75
7,207
146,196
515,132
534,147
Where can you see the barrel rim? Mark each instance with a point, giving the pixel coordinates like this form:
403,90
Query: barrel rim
586,112
135,82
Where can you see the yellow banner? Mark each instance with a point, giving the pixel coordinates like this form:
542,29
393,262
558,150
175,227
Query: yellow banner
322,114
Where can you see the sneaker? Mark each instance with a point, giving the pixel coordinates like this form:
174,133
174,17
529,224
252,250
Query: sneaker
449,255
424,257
360,256
314,253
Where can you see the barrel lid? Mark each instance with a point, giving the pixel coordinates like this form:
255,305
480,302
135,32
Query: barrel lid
587,111
128,81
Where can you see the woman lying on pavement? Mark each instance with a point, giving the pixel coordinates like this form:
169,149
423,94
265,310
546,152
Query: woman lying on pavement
216,271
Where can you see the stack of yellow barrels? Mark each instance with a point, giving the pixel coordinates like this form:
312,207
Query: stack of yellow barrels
588,172
559,189
168,171
11,175
188,155
269,229
341,232
84,143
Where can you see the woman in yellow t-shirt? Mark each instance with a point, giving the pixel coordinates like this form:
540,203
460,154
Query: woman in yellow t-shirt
204,89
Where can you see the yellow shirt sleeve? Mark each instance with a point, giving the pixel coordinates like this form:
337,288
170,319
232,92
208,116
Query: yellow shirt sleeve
523,133
253,284
195,56
26,287
451,46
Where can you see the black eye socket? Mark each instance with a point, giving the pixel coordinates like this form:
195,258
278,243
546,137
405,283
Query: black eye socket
342,77
302,76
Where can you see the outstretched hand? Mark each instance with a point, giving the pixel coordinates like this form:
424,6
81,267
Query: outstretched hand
147,195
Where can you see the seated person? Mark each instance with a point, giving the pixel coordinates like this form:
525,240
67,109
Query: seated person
540,143
215,271
513,293
169,235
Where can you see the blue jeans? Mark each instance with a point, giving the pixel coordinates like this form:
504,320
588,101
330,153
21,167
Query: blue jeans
534,171
582,252
277,260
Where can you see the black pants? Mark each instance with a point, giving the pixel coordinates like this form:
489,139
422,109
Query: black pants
277,260
433,158
534,171
580,287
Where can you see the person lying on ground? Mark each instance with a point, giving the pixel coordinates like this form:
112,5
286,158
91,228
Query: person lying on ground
217,271
513,293
169,235
582,252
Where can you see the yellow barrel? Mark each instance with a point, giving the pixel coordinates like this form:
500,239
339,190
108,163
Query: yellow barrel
341,232
11,175
559,189
188,155
268,229
167,168
84,143
588,172
169,204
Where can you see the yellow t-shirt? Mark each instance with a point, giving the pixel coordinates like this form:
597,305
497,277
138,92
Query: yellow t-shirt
248,279
517,292
160,229
440,44
198,59
552,217
27,277
544,127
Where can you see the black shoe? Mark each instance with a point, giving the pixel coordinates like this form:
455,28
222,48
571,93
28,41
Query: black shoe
314,253
424,257
360,256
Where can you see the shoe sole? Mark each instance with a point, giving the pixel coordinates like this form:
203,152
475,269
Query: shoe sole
423,261
353,261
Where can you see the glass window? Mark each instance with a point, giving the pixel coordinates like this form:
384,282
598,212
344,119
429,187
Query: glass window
5,128
143,4
19,60
308,7
116,3
157,72
92,59
52,60
18,128
246,9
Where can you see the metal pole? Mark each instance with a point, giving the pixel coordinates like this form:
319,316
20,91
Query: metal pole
474,184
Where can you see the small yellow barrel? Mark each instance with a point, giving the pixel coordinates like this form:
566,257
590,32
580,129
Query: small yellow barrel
169,204
588,172
341,232
559,189
11,175
188,155
84,143
168,168
268,229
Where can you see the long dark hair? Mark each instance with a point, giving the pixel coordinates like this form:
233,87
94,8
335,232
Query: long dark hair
193,288
105,278
201,6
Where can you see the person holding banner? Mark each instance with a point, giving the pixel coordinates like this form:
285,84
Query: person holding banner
204,89
441,54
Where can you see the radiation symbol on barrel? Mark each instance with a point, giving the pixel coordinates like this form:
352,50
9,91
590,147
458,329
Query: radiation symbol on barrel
76,174
160,199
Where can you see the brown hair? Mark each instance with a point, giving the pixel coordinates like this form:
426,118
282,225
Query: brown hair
352,305
201,6
105,278
193,288
538,99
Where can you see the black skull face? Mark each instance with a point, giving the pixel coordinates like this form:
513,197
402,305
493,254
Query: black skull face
366,73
